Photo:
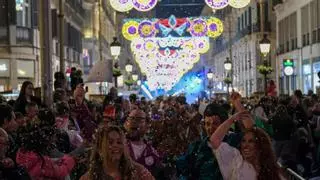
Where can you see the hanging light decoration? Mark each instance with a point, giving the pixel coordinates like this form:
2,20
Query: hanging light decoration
217,4
130,30
121,5
239,3
215,27
199,27
144,5
166,49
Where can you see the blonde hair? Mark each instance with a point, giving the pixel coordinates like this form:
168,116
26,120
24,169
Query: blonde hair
100,154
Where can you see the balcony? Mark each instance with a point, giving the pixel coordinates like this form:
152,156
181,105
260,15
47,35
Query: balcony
24,35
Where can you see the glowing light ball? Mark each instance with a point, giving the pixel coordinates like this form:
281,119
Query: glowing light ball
130,30
215,27
146,29
121,5
239,3
217,4
144,5
198,27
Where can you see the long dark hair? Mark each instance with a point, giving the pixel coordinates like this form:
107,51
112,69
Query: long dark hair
96,169
269,170
23,89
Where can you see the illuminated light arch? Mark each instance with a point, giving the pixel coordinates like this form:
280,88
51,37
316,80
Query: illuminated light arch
121,5
217,4
164,67
239,3
166,49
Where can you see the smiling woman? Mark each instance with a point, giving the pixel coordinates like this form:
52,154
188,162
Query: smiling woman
109,159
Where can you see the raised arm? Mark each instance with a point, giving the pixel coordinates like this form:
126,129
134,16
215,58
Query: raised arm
236,101
218,135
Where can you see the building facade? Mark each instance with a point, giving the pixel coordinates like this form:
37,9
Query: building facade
20,40
298,38
240,43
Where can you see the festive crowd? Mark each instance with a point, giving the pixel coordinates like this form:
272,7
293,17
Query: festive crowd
234,139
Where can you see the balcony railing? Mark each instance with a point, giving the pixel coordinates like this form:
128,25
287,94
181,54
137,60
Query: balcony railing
24,34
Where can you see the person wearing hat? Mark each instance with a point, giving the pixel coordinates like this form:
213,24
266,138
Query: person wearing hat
199,162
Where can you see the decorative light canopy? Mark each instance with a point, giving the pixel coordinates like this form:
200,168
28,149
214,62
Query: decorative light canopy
165,49
193,26
115,47
127,5
220,4
265,45
228,65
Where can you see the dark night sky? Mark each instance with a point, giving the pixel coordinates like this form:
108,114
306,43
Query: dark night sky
179,8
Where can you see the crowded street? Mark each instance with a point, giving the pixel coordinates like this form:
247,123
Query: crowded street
160,90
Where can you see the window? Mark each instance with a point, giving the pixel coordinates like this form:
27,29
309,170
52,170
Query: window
305,25
246,19
314,25
23,14
250,16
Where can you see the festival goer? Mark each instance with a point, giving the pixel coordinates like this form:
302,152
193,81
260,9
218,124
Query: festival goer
26,96
20,119
141,151
109,159
32,111
199,162
34,154
255,160
8,169
283,128
80,112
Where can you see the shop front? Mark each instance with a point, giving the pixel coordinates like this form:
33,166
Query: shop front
4,75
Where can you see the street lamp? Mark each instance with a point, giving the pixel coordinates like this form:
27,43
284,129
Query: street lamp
135,77
115,47
265,44
129,67
210,74
228,65
139,82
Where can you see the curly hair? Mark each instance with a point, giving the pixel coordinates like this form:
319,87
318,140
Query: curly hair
269,170
100,153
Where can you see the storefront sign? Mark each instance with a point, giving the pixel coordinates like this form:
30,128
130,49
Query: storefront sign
288,67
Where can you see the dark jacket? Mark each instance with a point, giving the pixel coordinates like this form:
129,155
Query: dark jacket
200,163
